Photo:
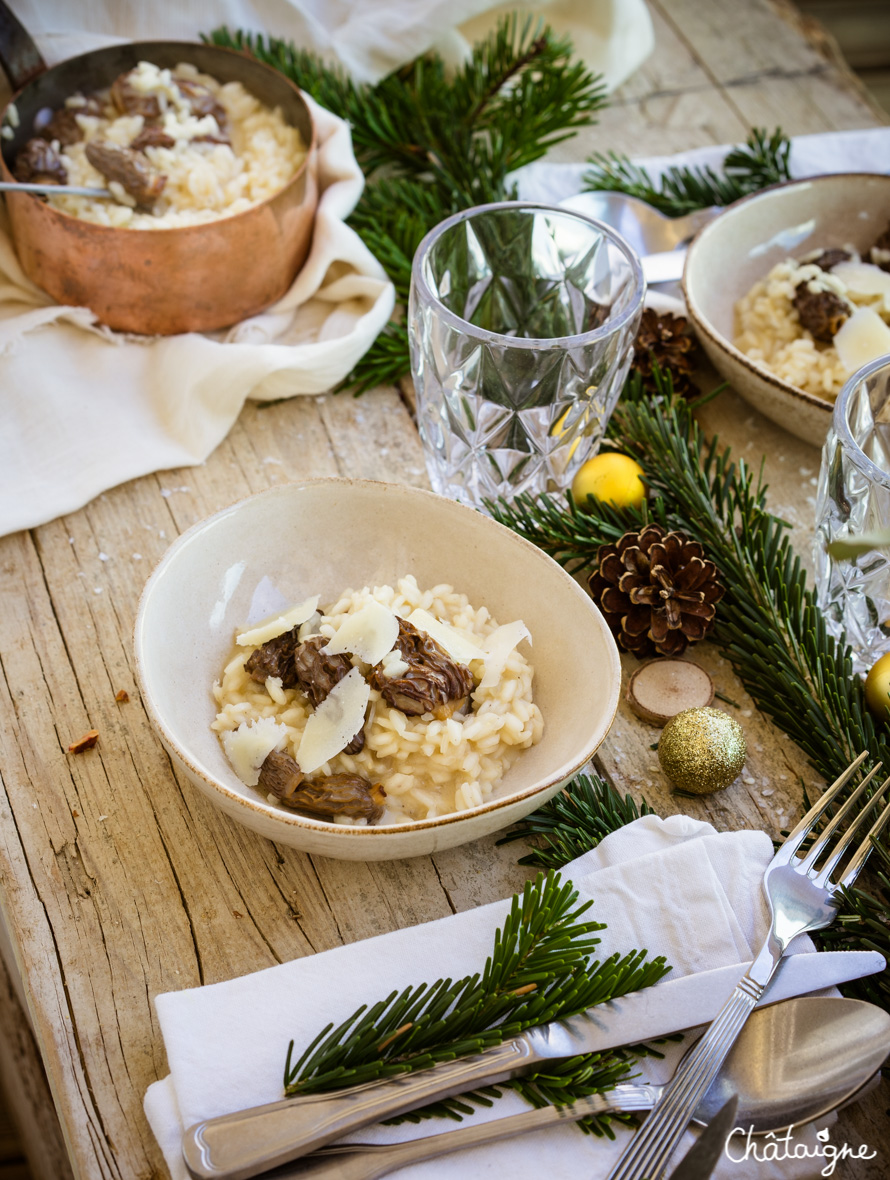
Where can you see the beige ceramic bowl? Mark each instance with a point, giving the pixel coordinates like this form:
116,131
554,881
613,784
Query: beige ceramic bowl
744,243
320,537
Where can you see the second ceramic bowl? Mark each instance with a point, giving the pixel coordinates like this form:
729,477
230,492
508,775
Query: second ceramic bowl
744,243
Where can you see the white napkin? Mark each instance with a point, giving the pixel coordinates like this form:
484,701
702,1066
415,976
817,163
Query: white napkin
867,150
675,887
369,37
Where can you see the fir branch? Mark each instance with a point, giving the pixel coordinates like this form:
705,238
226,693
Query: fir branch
575,820
540,969
768,624
762,161
432,144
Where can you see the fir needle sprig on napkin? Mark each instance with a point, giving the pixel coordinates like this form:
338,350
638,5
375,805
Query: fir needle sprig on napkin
540,969
433,141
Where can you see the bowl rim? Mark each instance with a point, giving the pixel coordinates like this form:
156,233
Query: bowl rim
609,328
704,326
299,822
307,164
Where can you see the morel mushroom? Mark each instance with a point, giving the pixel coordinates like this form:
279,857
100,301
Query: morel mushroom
152,136
821,313
830,258
280,775
39,163
317,671
434,682
327,795
63,127
202,102
129,100
276,658
130,169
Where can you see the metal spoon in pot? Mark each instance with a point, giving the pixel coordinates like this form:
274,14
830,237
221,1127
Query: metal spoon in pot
793,1063
53,190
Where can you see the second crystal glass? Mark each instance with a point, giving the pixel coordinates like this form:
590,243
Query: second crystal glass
522,319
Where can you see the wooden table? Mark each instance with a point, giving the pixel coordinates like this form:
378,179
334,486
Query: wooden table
117,879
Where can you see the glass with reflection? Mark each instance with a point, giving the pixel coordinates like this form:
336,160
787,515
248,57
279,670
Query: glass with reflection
854,498
521,319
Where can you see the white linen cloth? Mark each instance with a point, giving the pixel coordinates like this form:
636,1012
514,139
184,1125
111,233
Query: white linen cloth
83,408
369,37
675,887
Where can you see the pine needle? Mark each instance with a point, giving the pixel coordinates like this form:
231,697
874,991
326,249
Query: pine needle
768,625
762,161
432,143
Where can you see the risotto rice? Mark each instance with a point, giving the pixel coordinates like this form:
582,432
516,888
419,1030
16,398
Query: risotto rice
427,767
769,332
205,180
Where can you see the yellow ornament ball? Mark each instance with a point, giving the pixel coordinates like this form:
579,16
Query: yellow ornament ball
611,478
877,688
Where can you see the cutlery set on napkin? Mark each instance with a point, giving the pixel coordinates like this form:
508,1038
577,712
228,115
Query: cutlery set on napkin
673,886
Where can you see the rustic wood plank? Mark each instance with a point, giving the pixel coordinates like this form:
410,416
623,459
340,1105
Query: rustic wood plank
118,879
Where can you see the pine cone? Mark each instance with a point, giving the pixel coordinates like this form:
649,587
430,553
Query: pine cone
666,341
657,591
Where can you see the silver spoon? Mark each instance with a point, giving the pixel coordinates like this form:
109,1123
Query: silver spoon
53,190
640,224
792,1063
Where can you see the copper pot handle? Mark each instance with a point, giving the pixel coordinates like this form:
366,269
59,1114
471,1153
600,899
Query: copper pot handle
19,56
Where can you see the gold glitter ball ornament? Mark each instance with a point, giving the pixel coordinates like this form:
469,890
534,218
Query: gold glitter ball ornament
702,750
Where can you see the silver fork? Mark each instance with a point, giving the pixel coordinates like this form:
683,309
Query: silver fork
801,898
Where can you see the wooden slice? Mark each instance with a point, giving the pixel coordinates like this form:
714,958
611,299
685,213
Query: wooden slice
659,689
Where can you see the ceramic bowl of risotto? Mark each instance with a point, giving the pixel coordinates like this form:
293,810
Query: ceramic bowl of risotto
742,274
495,683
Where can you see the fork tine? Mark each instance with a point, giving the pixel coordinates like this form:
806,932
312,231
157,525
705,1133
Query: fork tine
865,849
803,829
848,837
830,828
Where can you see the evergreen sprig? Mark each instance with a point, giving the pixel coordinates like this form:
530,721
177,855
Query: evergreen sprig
768,624
575,820
432,142
540,969
762,161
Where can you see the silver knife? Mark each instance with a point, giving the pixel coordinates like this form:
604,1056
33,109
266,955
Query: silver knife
240,1145
703,1157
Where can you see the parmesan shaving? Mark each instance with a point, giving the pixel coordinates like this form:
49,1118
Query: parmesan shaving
458,646
369,633
335,722
248,746
498,646
272,627
863,338
862,278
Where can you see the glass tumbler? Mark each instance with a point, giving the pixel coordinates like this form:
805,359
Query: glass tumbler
521,319
854,498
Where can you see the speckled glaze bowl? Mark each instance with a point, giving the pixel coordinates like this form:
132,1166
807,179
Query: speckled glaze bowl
319,537
744,243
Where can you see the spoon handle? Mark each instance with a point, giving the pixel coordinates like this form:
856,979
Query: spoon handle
52,190
367,1161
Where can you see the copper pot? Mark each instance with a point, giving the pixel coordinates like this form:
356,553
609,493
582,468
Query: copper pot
164,281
